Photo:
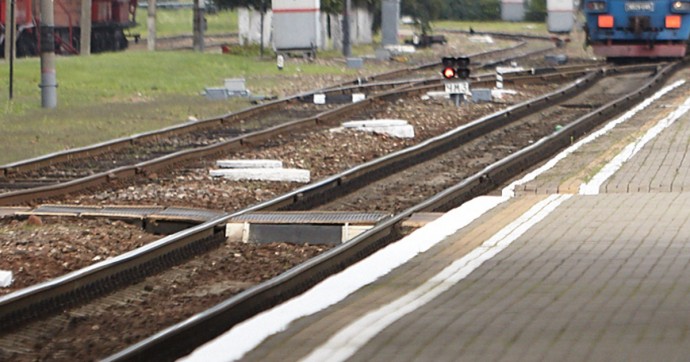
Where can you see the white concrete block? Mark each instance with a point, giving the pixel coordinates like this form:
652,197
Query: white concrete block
401,49
237,232
358,97
481,95
264,174
486,39
235,84
5,278
435,95
319,99
375,123
351,231
499,93
249,164
506,70
393,127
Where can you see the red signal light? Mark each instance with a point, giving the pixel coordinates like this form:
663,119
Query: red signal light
448,73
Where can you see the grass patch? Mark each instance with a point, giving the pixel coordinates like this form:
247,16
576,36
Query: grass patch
171,22
493,26
104,96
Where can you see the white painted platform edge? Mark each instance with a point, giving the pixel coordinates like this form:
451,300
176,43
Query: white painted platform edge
354,336
509,191
234,343
249,164
5,278
592,187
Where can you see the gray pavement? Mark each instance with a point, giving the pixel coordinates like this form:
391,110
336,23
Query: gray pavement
607,284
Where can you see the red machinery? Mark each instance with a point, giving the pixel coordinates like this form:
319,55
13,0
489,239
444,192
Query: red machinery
109,19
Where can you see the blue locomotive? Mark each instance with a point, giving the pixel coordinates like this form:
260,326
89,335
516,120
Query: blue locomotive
634,28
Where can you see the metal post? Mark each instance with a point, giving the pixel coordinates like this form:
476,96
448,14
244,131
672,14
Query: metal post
48,79
347,47
458,98
85,37
199,25
151,26
11,22
263,15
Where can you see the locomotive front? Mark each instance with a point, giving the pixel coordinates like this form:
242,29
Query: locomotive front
651,28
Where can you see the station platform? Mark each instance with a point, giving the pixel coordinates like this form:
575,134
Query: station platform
586,258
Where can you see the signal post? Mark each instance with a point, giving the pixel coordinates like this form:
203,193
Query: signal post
456,72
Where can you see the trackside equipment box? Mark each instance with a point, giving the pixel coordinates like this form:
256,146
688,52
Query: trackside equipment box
560,16
296,25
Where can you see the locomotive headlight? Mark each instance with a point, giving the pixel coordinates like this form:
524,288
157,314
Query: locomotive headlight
596,6
680,6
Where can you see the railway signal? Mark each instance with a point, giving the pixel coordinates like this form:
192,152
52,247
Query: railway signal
456,67
456,71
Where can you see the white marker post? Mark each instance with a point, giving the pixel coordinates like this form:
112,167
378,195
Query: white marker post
280,61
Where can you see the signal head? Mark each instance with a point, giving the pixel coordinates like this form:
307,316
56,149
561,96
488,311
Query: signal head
448,72
456,67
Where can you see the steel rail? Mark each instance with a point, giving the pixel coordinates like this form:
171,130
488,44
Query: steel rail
42,193
224,120
17,307
181,339
119,143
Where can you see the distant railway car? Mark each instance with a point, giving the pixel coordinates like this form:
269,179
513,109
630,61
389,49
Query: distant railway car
635,28
560,16
109,19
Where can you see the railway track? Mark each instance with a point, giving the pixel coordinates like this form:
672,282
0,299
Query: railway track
129,268
70,171
223,316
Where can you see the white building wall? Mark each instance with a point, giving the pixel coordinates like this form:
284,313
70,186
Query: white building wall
361,23
249,22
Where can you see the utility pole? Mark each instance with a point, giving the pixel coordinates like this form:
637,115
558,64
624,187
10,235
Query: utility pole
347,45
199,25
9,9
48,79
9,50
264,9
85,42
151,26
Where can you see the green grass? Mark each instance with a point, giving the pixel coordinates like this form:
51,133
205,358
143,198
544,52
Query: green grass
104,96
493,26
116,77
178,22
